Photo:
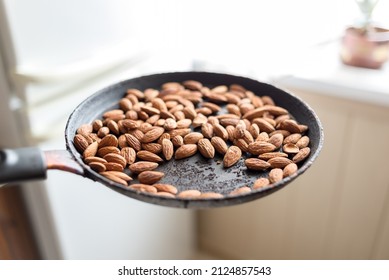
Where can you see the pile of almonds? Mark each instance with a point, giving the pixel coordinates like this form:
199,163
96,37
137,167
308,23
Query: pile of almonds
181,119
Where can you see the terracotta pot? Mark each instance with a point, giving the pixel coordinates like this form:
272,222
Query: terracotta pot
365,49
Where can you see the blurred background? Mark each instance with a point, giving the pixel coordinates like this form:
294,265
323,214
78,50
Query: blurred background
55,53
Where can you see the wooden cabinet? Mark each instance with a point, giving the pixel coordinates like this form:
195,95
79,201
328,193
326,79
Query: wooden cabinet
339,209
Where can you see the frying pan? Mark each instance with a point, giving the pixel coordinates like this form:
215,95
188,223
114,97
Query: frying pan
196,172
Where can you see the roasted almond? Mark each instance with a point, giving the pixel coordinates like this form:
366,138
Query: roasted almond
113,166
141,166
301,155
129,154
148,156
153,134
303,142
261,183
205,148
91,150
185,151
290,169
80,143
166,188
257,148
279,162
276,140
256,164
113,157
154,148
290,125
292,138
144,188
290,148
114,178
267,156
240,191
150,177
219,144
193,138
97,166
275,175
118,174
232,156
167,149
85,129
211,195
189,194
106,150
133,142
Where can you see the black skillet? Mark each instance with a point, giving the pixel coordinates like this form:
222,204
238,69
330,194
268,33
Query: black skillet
191,173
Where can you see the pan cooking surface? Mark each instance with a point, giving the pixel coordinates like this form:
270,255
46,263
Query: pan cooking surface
197,172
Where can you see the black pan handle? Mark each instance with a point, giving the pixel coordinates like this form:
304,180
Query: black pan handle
22,164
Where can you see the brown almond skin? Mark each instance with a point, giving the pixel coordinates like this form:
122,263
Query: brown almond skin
144,188
189,194
167,149
256,164
150,177
267,156
276,175
185,151
166,188
219,144
241,190
128,154
106,150
301,155
113,157
97,166
232,156
118,174
80,143
148,156
91,150
257,148
152,134
205,148
94,159
303,142
114,178
113,166
261,183
211,195
193,138
133,142
279,162
290,169
141,166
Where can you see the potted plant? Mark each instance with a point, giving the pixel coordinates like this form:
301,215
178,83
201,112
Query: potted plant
366,44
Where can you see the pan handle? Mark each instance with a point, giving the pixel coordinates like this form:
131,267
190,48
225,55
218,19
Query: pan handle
21,164
31,163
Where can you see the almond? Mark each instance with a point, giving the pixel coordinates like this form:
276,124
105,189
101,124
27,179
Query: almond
290,148
292,138
257,148
219,144
211,195
150,177
113,166
154,148
241,190
116,158
85,129
301,155
153,134
128,154
261,183
80,143
167,149
166,188
94,159
118,174
170,124
290,169
290,125
148,156
133,142
91,150
264,125
275,175
193,138
141,166
279,162
189,194
276,140
205,148
97,166
186,150
267,156
114,178
144,188
256,164
106,150
232,156
207,130
303,142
